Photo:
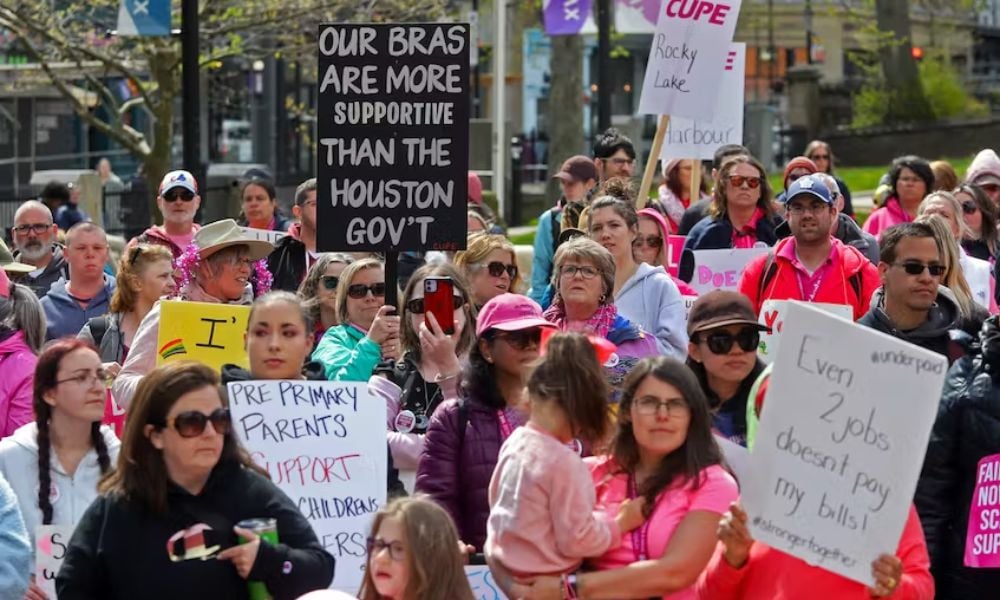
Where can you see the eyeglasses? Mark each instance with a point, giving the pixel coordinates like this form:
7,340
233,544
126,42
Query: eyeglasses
397,551
909,180
585,271
88,378
622,161
738,181
969,208
35,228
240,261
360,290
522,339
917,268
814,208
649,406
330,282
497,269
653,241
192,423
721,342
184,196
416,306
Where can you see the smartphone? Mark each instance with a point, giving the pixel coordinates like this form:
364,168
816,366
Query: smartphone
439,294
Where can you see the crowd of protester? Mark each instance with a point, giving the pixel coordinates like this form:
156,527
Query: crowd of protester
566,428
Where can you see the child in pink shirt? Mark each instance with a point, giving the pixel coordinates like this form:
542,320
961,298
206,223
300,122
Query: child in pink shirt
542,499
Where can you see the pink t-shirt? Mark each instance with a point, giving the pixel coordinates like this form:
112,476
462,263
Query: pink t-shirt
717,492
182,241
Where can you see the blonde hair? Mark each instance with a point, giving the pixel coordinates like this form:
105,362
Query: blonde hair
131,267
586,249
956,209
345,282
480,246
953,278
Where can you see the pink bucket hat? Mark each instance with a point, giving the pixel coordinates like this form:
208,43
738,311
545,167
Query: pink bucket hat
510,312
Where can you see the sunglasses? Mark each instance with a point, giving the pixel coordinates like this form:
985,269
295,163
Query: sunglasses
653,241
916,268
522,339
360,290
330,282
192,423
969,208
497,269
185,196
739,180
416,306
721,342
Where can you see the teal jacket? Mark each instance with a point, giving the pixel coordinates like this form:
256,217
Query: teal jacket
347,354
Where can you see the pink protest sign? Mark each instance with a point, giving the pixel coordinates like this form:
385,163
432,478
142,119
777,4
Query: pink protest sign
675,246
982,542
114,415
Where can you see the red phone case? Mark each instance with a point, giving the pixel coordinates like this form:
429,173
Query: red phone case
438,299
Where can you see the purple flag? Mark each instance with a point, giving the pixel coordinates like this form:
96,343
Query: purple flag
566,17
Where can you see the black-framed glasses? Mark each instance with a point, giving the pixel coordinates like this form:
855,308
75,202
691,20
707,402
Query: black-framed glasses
739,180
649,406
813,208
917,268
397,551
653,241
360,290
330,281
721,342
969,207
185,196
497,269
86,378
585,271
521,339
192,423
35,228
417,307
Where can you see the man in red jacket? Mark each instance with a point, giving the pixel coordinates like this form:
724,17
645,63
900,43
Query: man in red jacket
811,266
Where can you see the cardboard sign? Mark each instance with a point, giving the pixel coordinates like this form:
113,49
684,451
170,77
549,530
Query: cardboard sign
688,303
688,138
114,415
841,442
687,57
982,542
484,587
772,314
317,440
264,235
393,147
50,552
721,269
208,333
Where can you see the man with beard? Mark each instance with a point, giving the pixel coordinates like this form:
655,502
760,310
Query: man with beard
296,252
34,234
811,266
86,294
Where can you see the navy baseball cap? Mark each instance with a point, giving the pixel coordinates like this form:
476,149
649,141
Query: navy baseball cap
807,185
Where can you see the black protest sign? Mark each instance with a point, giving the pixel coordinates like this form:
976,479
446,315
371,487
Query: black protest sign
393,137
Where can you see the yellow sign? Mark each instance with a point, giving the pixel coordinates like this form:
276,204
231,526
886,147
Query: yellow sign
212,334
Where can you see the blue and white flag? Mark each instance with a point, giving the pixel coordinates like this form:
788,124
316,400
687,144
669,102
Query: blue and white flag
144,17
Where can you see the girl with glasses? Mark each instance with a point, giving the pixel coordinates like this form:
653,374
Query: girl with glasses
165,523
663,451
368,330
416,385
822,156
413,554
465,433
723,356
489,264
55,462
319,290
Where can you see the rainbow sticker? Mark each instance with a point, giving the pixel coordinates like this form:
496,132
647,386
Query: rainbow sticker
172,348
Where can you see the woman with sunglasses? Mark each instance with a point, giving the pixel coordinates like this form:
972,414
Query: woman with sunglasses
65,451
418,383
165,525
662,451
981,220
740,216
319,290
489,264
584,279
822,156
464,436
723,355
650,246
260,206
368,330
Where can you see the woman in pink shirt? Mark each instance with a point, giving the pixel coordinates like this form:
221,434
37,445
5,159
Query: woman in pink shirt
664,452
910,179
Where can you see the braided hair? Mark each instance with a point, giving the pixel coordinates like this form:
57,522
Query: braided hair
46,375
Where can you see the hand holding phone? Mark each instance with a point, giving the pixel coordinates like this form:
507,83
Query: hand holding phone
439,300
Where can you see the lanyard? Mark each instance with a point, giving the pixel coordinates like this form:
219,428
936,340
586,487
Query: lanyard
505,426
640,535
817,280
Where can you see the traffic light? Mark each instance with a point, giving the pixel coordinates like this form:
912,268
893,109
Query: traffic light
917,53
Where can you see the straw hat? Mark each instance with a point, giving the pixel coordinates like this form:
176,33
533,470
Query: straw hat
225,233
8,264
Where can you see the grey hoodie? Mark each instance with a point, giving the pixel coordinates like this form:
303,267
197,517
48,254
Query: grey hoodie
932,334
70,496
652,301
